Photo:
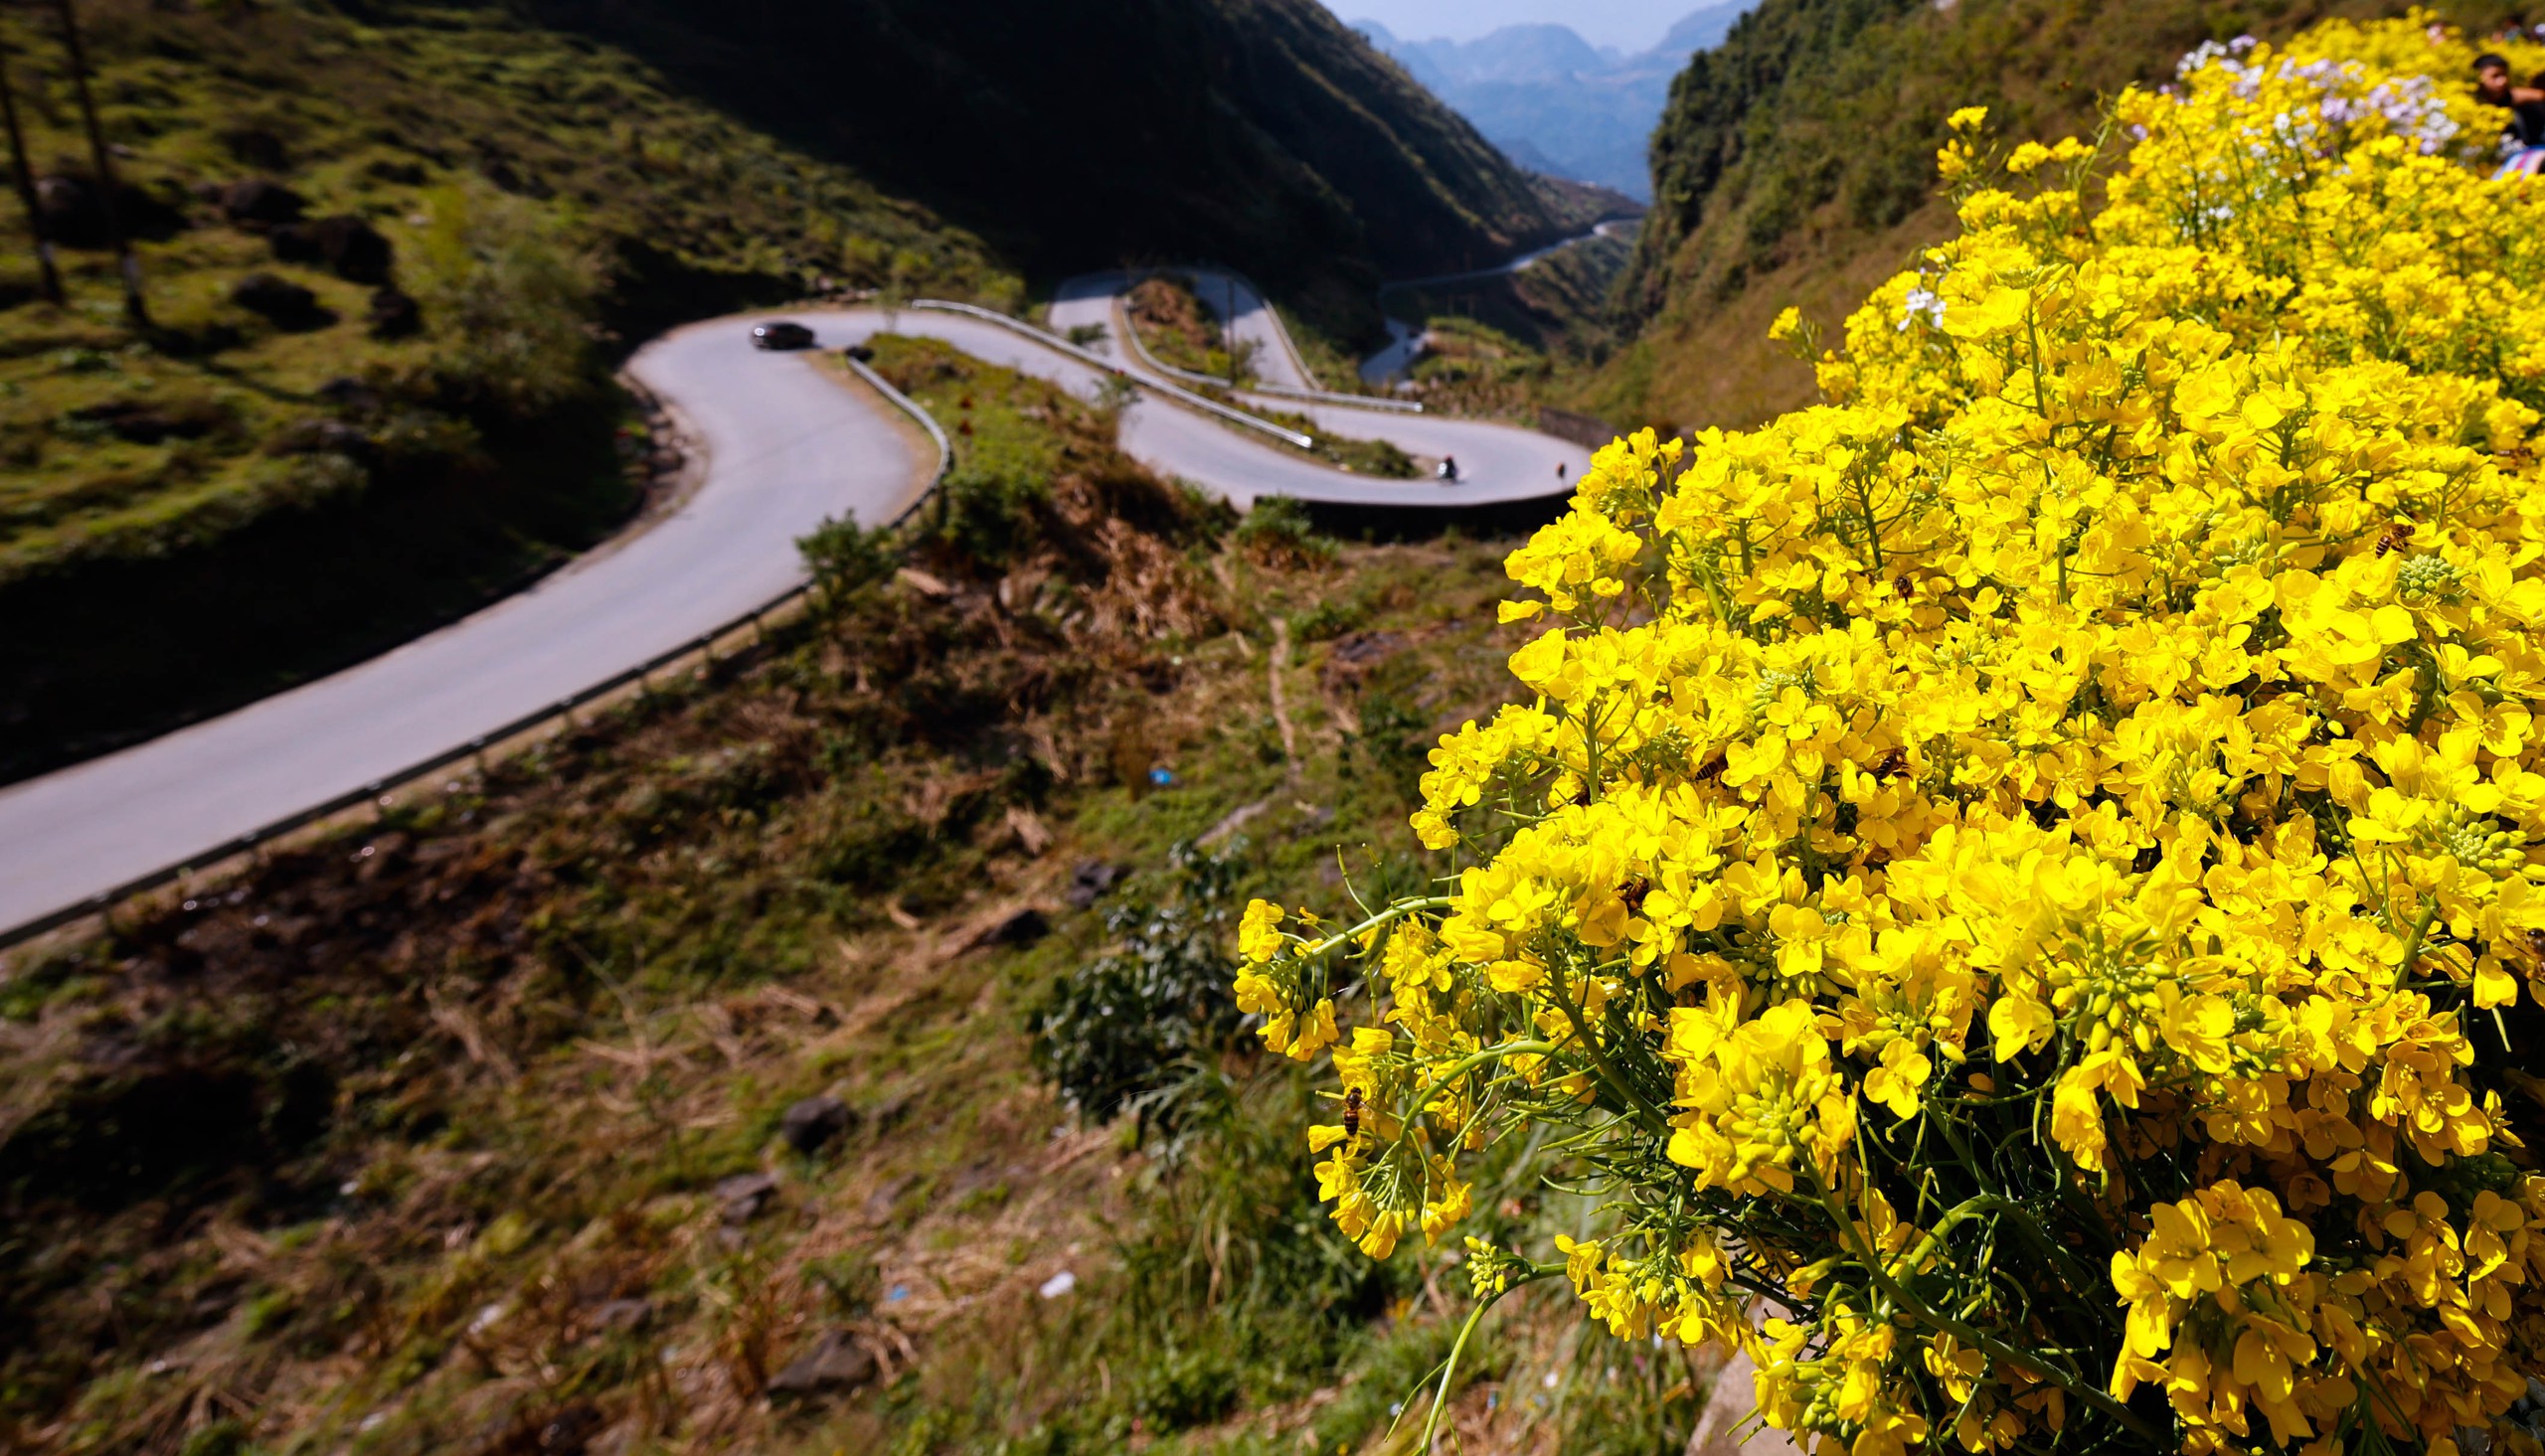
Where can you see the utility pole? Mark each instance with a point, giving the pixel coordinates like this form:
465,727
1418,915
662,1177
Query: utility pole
48,278
135,308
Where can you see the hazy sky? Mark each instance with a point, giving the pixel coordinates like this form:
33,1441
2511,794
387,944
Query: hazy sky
1628,25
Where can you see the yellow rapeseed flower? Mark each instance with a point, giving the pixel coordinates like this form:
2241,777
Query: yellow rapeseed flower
2033,865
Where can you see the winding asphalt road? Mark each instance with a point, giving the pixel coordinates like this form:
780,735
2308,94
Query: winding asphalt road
787,446
1496,462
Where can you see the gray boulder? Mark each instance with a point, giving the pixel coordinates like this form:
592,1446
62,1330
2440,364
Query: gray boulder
835,1365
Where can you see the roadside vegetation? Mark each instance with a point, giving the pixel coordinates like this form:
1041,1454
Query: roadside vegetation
1333,364
1471,367
716,1075
389,262
1380,459
1180,331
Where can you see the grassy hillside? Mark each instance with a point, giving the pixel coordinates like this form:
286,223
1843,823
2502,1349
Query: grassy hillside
1794,164
310,457
447,1133
1261,133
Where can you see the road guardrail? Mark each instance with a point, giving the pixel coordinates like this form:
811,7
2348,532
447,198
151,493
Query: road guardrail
1285,391
704,645
1097,361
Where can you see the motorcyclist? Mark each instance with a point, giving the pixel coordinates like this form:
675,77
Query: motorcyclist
1449,469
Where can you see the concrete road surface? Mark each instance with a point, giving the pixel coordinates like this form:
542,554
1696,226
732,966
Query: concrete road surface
787,446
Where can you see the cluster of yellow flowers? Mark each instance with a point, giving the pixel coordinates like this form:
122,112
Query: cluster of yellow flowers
2022,882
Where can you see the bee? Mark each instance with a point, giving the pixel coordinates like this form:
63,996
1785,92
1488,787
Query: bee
2390,542
1352,1113
1633,892
1902,587
2536,947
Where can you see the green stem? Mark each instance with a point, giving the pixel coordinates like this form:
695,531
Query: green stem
1994,1349
1474,1060
2033,1233
1654,1116
1450,1366
1873,527
2421,928
1380,920
2032,331
2425,686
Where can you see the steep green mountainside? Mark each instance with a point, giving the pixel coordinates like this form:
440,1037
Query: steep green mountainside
313,453
1794,164
1259,132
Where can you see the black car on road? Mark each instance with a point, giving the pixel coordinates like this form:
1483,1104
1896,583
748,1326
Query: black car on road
781,334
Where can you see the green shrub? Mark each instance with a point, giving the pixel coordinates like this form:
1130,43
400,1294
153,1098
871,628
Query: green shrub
1186,1389
1131,1029
1331,617
843,556
508,295
1278,530
990,515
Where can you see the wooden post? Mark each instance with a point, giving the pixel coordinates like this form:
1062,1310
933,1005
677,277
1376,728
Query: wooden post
129,262
48,278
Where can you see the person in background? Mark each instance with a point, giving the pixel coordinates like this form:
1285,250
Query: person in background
2526,107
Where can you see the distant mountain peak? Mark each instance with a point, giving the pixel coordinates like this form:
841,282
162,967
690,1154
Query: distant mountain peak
1552,101
1701,30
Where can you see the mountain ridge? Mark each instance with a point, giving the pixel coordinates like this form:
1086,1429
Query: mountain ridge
1540,90
1258,132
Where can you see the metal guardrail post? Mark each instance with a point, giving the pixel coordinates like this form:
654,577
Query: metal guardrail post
254,842
926,421
1318,396
1176,393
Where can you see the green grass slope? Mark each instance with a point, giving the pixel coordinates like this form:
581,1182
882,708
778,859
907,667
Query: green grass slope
1794,164
201,512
